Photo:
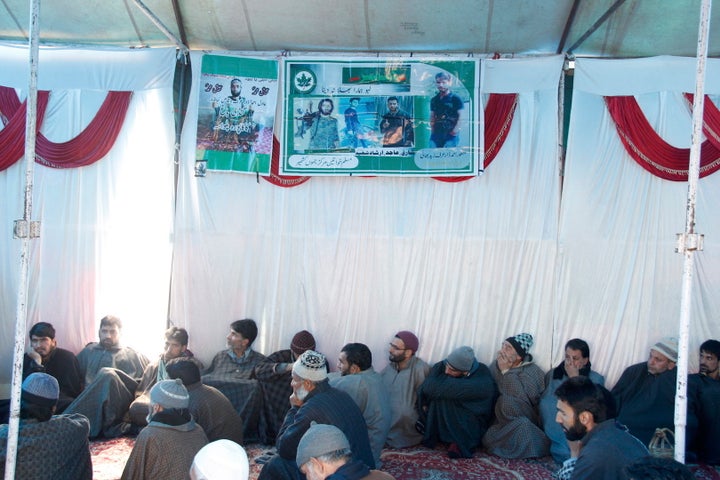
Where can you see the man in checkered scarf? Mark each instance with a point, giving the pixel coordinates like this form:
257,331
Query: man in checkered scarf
517,431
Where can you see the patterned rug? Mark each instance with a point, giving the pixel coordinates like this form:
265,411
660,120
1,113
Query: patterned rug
420,463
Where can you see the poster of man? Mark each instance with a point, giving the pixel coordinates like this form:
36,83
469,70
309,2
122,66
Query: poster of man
399,117
236,112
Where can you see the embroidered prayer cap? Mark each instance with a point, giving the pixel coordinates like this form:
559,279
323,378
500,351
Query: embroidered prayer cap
668,347
220,460
170,394
461,359
319,440
40,389
311,365
302,342
409,339
522,342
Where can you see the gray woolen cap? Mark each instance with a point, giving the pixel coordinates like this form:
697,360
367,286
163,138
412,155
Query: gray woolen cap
461,359
319,440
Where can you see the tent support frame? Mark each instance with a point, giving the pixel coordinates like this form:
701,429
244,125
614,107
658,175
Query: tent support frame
689,242
25,229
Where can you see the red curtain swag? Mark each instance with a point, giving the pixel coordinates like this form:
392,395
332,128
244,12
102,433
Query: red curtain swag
711,119
12,137
653,153
499,114
86,148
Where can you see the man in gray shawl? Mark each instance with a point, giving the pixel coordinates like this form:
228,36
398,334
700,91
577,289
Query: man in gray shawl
516,432
112,373
167,446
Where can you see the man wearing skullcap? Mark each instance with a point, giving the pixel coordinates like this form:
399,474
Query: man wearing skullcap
402,378
314,400
516,431
357,377
49,446
167,446
456,402
274,375
645,394
324,452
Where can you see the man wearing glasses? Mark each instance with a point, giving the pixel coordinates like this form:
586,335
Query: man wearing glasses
402,378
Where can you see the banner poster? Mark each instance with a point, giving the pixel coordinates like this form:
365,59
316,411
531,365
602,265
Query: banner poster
236,112
381,116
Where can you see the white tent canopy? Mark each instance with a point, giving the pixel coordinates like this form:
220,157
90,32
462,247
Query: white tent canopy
598,28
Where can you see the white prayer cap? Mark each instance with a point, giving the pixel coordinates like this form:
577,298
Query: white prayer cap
220,460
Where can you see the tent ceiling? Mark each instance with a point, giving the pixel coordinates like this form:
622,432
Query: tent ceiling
635,28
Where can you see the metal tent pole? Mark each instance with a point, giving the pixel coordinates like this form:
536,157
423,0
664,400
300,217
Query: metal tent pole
690,242
161,26
24,229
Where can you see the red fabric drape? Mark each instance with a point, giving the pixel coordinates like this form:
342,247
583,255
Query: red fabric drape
653,153
86,148
12,136
499,114
91,144
711,119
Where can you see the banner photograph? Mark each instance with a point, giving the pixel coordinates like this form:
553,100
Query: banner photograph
392,116
236,112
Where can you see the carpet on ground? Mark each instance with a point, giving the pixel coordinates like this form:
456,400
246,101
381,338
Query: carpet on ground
109,457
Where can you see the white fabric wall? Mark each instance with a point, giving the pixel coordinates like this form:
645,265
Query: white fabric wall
105,243
357,259
619,276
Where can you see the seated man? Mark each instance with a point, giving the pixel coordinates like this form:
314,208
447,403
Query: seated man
606,447
232,371
645,394
357,378
274,374
707,385
516,431
210,408
49,446
324,452
167,446
456,402
176,342
313,399
62,364
111,373
577,362
402,378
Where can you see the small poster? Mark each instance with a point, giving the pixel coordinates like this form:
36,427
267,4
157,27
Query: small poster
236,113
399,117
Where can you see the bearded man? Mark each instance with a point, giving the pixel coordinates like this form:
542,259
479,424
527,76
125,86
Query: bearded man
605,447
